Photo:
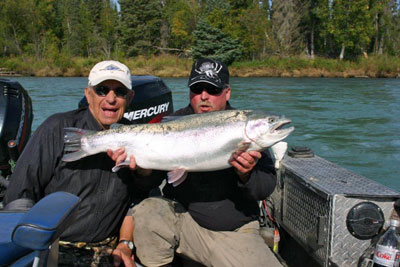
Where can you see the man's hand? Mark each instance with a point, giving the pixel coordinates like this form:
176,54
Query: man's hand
123,254
244,162
120,155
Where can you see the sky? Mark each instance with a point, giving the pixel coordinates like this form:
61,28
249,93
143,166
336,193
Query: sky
116,1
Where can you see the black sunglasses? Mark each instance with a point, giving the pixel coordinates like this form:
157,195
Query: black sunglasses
198,88
103,90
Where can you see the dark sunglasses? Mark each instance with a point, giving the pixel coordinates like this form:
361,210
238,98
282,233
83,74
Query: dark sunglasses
103,90
198,88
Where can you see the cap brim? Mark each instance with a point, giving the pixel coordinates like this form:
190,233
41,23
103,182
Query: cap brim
111,77
219,85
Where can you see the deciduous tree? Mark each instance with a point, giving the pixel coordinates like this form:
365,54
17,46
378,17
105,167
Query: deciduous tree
352,25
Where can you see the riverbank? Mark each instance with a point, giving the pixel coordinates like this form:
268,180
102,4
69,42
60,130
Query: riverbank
6,72
173,66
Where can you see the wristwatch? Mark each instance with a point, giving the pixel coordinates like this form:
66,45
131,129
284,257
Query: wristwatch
128,243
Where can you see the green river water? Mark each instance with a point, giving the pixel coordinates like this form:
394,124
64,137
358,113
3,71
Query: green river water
352,122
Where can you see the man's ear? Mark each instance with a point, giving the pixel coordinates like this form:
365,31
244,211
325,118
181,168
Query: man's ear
130,97
228,93
88,95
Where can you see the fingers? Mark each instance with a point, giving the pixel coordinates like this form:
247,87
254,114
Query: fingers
132,163
123,256
117,257
244,162
118,155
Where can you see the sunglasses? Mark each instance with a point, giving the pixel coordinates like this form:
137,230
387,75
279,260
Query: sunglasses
198,88
103,90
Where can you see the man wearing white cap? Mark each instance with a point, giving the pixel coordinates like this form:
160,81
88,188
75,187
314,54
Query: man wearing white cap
105,196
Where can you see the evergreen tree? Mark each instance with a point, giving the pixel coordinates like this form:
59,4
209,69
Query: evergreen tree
211,5
140,26
251,29
86,30
241,4
107,27
14,29
213,43
392,28
76,28
95,8
309,26
387,28
377,8
325,42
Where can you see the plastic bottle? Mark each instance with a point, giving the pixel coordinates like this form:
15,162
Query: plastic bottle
387,250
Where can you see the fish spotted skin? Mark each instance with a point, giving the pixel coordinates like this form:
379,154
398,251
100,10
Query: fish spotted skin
198,142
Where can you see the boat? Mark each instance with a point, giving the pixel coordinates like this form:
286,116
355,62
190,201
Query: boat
323,214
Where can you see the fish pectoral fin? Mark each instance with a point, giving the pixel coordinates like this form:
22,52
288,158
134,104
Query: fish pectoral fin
121,165
177,176
243,146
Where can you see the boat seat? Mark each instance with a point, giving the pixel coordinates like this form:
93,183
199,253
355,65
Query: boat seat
26,235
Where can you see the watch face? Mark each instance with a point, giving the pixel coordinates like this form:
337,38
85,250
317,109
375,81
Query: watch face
127,242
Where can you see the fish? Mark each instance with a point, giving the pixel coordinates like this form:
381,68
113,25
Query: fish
182,144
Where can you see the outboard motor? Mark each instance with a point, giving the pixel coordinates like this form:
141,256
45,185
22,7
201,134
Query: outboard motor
152,101
15,126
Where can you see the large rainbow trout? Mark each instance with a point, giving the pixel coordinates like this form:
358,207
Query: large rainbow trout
199,142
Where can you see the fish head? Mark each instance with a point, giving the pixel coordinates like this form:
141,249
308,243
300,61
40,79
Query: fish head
265,130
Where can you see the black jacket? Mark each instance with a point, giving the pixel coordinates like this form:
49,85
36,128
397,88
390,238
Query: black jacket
217,200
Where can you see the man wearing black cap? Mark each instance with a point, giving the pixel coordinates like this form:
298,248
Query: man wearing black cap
211,217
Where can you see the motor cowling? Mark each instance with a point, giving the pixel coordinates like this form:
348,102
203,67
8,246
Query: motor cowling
15,122
152,101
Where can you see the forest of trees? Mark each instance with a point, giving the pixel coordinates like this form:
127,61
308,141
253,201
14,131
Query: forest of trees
230,30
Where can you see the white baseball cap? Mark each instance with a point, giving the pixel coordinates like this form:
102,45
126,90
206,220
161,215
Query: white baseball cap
110,70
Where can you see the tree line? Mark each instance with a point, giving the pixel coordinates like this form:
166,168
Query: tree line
229,30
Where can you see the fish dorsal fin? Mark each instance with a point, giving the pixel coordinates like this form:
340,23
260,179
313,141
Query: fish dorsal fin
171,118
177,176
116,125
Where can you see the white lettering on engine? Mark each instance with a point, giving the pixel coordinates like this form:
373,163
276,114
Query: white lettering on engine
147,112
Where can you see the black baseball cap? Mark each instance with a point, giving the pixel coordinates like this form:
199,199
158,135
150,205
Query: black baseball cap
209,71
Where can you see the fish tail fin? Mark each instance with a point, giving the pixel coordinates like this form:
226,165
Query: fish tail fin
73,145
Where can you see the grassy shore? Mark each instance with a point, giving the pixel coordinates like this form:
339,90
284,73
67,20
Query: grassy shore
173,66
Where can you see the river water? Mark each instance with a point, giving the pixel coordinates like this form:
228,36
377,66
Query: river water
354,123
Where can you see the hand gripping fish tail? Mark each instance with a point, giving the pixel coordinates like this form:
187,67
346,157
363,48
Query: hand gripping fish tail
73,143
